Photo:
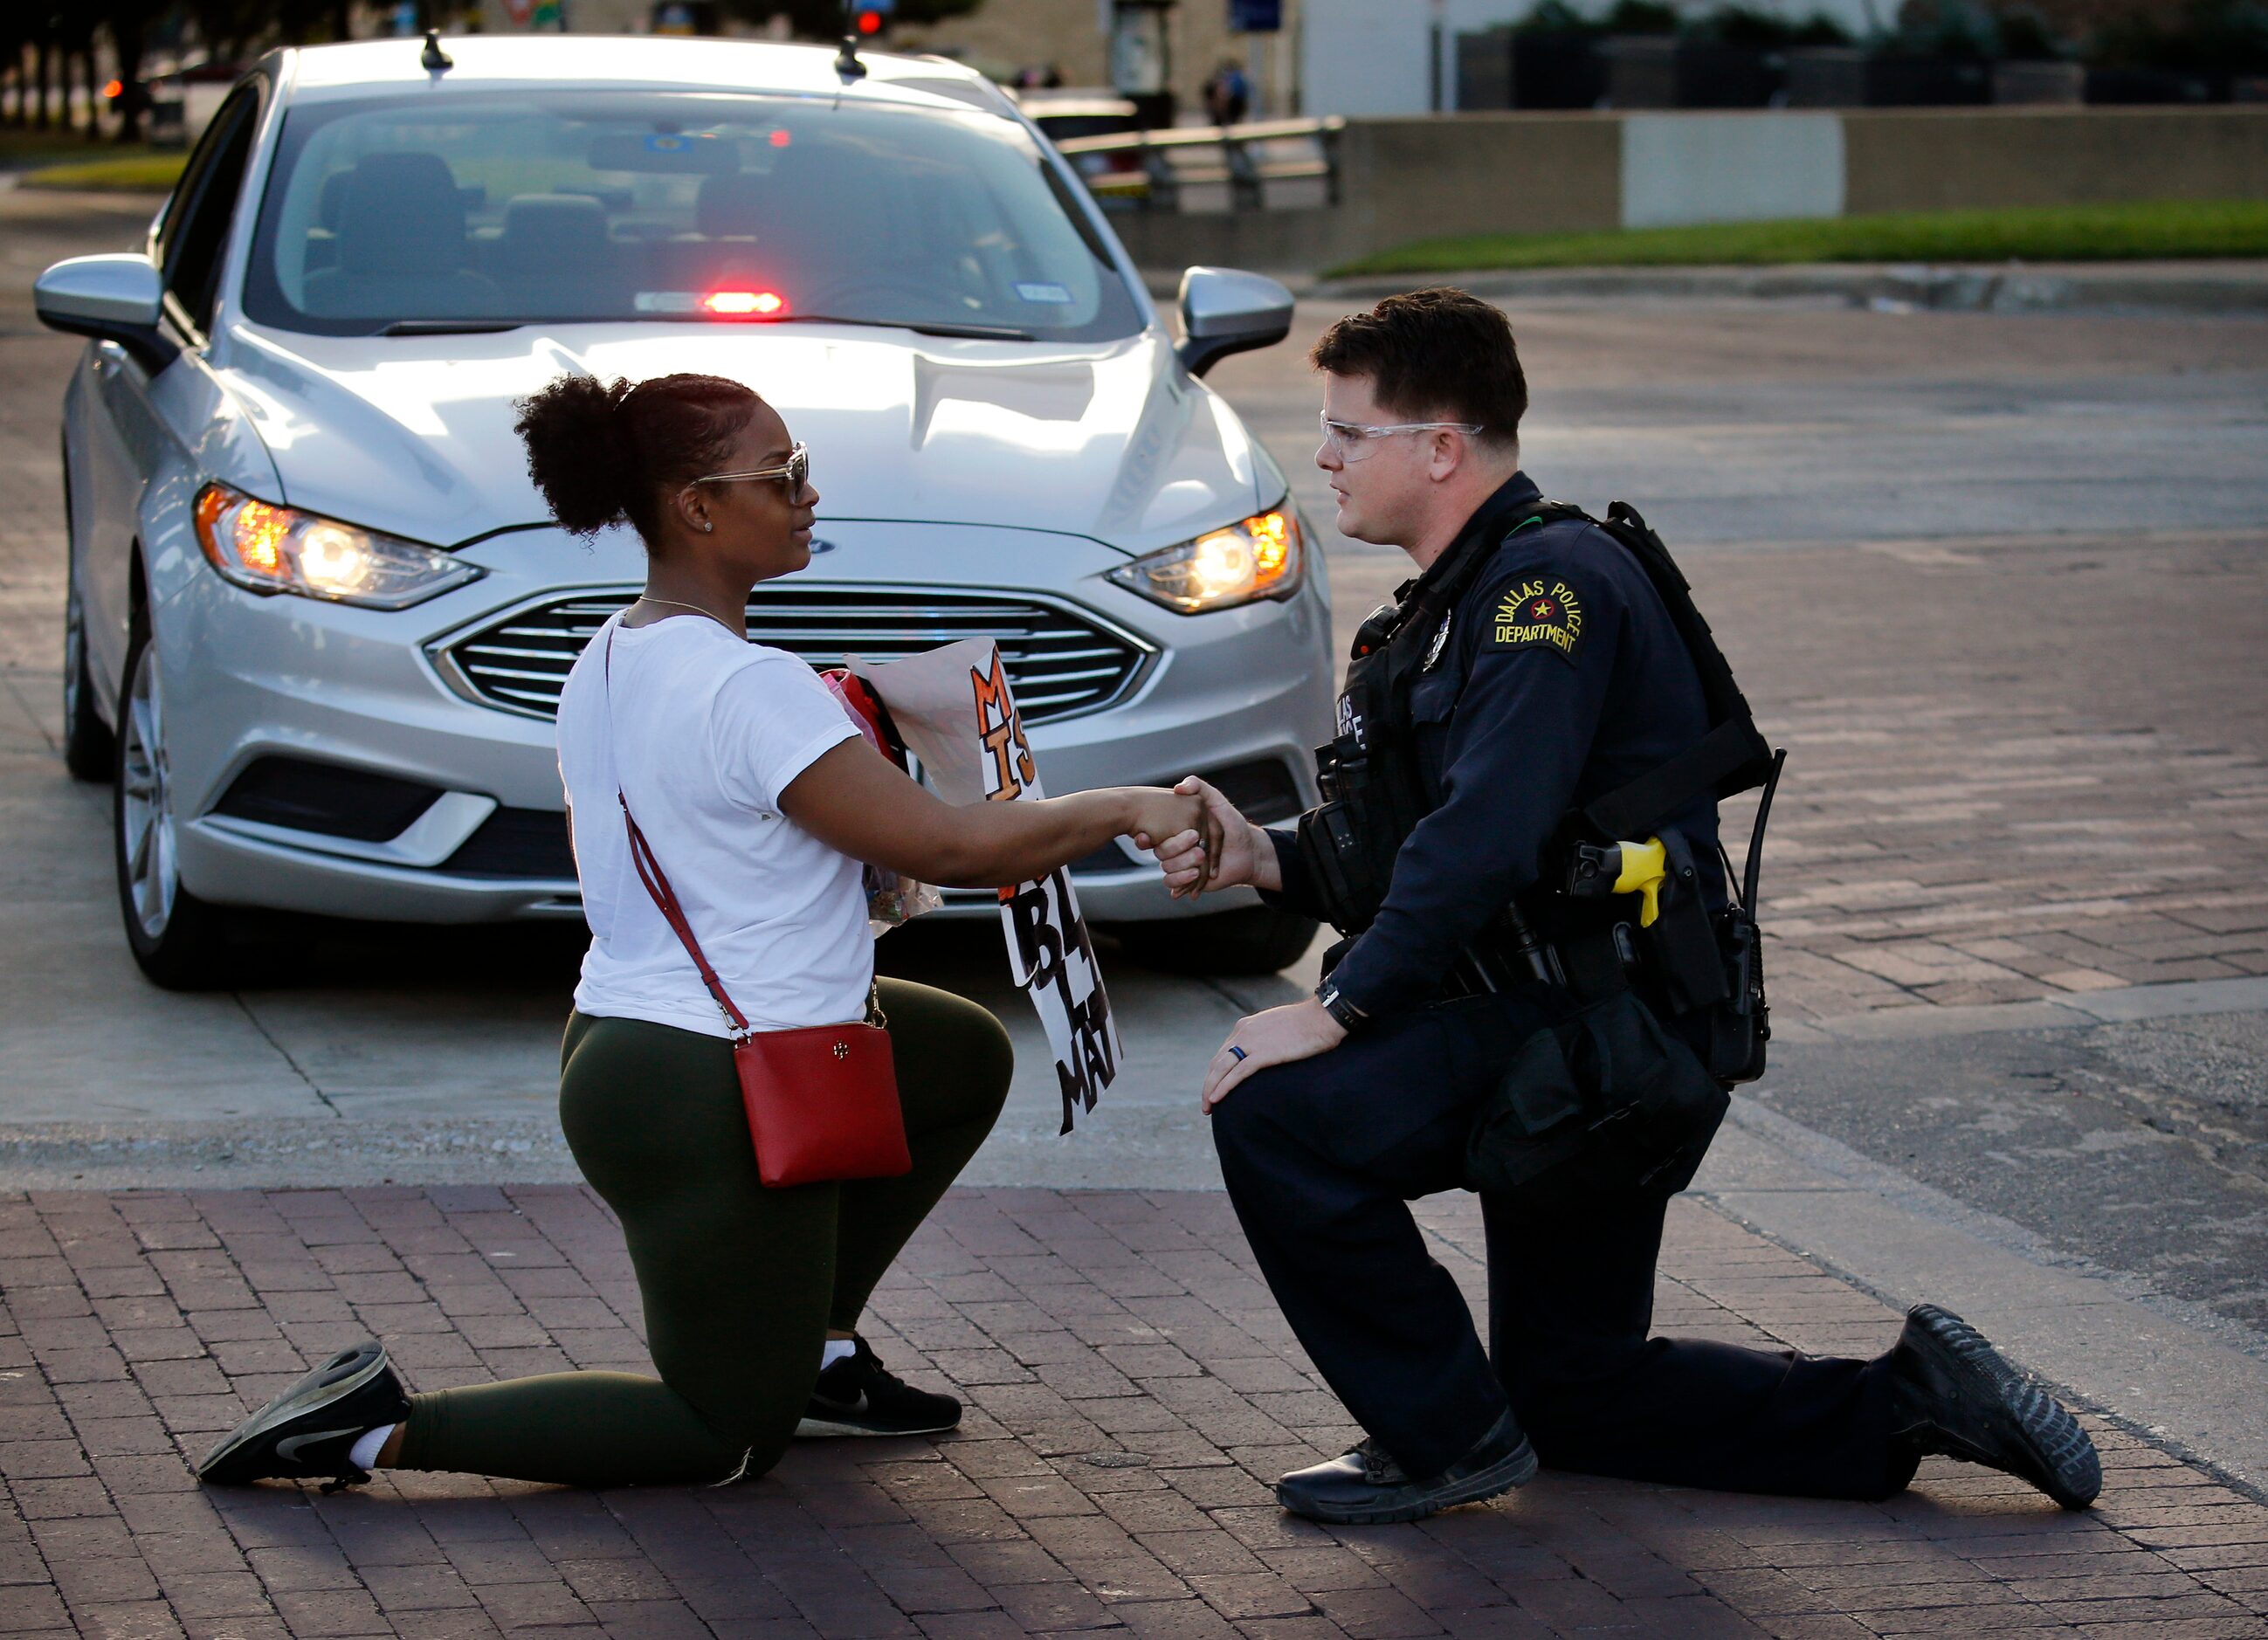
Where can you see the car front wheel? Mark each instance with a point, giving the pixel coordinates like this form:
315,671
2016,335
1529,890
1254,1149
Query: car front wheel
178,939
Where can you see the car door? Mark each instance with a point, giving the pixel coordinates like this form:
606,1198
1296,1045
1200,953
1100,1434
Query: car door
126,439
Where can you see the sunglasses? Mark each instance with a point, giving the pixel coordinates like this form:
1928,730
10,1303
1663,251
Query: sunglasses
789,475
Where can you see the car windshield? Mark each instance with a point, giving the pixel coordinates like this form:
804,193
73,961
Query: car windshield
481,212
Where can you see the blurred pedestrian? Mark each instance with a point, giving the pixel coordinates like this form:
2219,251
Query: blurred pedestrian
728,771
1227,93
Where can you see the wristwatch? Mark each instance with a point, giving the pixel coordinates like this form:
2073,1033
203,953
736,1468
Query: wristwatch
1349,1017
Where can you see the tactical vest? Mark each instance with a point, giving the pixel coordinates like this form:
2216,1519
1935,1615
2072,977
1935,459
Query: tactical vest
1375,793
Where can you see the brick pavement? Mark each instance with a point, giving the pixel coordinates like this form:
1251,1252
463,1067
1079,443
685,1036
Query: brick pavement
1131,1392
2016,768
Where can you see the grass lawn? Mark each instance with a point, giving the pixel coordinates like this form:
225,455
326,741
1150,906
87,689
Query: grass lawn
66,159
2153,229
154,173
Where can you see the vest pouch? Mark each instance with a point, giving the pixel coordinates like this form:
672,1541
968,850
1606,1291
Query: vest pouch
1604,1099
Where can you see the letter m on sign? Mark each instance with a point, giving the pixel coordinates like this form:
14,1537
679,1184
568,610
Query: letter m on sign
1011,769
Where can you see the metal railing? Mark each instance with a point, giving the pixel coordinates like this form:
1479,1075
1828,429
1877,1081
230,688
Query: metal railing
1244,159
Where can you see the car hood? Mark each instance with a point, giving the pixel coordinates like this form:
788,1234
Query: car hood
414,434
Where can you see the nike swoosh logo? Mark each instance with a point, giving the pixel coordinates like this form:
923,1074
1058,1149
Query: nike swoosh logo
290,1445
846,1406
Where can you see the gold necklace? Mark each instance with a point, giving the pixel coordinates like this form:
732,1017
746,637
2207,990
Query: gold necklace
648,598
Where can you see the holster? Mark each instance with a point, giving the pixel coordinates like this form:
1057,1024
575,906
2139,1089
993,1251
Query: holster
1348,842
1605,1099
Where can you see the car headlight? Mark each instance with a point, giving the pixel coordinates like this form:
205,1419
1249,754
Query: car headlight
267,548
1262,558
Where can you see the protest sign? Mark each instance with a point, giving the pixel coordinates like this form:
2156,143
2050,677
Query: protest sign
954,709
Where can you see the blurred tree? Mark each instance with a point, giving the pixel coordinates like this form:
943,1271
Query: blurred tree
75,36
15,35
1770,30
2205,36
1642,17
127,19
43,65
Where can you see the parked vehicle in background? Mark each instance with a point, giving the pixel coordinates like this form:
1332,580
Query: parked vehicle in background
318,616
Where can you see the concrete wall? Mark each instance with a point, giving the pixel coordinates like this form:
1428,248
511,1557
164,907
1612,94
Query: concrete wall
1950,159
1414,179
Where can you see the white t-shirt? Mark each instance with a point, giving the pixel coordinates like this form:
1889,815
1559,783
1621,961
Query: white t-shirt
701,732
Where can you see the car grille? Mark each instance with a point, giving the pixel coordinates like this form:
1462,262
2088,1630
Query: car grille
1058,662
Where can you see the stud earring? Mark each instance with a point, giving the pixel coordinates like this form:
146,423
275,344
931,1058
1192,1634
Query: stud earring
706,526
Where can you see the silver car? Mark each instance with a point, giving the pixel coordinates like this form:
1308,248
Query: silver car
319,617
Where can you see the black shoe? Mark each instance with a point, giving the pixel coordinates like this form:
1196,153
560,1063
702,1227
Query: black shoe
307,1432
859,1395
1367,1488
1954,1396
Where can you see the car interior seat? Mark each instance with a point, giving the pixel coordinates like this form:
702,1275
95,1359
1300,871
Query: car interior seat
731,205
402,251
553,258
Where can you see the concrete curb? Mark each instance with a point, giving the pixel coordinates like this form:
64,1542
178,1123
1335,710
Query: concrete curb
1999,288
2175,1373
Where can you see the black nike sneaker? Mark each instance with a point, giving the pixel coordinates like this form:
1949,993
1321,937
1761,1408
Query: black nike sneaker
308,1432
1367,1488
1954,1396
859,1395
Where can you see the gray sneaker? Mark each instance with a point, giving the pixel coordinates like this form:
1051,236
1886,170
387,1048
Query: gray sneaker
1953,1395
1367,1488
308,1432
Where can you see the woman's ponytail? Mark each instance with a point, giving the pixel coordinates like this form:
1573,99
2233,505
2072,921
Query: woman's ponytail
603,455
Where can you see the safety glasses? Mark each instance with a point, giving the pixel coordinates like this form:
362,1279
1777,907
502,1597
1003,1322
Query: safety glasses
1353,441
789,475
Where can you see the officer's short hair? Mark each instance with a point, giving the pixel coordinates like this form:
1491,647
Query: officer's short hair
1434,354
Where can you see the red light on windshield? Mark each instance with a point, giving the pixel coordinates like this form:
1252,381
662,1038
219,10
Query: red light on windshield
114,90
781,139
745,303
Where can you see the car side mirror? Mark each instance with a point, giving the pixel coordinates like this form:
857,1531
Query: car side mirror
112,299
1226,311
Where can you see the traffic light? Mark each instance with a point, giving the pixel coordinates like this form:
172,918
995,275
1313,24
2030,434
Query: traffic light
870,17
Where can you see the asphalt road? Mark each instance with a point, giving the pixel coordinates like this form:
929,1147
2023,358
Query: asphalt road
1745,429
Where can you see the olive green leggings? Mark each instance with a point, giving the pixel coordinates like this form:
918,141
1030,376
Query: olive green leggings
739,1282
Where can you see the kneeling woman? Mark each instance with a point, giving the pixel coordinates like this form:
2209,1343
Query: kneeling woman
760,798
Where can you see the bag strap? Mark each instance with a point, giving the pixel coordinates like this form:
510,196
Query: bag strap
1733,756
656,880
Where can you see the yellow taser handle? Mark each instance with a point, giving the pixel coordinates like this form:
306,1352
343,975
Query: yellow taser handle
1644,867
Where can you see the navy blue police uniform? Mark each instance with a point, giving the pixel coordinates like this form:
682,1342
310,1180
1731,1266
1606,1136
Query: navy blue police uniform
1556,675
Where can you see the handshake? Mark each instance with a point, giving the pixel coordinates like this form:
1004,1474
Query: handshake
1240,856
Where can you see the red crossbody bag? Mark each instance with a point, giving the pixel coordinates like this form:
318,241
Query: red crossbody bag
822,1100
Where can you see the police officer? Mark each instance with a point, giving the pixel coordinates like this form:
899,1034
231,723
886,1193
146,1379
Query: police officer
1532,666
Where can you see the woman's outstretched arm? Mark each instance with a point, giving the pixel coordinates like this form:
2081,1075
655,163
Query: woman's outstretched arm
854,800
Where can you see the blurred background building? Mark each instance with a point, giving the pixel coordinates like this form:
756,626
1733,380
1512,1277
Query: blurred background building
105,65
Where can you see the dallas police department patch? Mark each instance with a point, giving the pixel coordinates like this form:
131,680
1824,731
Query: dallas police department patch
1538,610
